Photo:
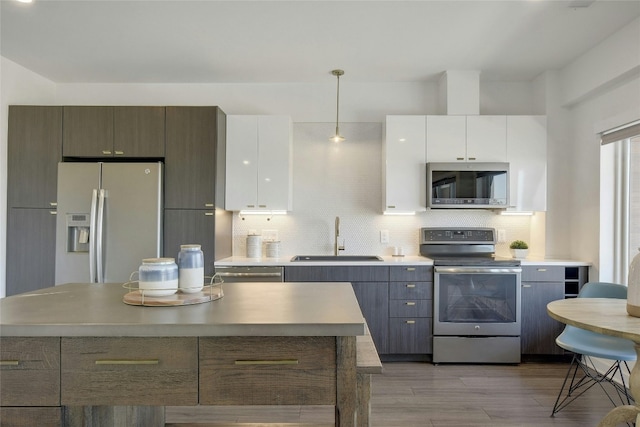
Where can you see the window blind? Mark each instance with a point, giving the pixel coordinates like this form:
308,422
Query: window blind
629,130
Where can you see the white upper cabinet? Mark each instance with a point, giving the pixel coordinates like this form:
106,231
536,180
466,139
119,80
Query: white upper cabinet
259,167
466,138
404,164
446,138
527,157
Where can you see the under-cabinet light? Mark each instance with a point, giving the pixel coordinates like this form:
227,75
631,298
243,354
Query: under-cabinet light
516,213
406,213
262,212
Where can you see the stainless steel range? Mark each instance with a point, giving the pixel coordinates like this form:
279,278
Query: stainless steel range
476,313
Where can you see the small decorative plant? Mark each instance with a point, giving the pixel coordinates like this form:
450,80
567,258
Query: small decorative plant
519,249
519,244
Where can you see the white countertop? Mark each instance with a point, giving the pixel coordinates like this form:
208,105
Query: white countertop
386,261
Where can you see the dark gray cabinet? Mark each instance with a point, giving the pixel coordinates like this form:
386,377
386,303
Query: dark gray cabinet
542,284
411,310
190,226
370,285
31,249
34,150
194,158
105,132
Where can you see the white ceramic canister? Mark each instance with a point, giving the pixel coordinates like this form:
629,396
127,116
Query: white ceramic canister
158,277
633,291
254,246
191,268
272,249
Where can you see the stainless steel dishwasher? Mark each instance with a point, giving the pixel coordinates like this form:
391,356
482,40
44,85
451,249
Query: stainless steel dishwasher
251,274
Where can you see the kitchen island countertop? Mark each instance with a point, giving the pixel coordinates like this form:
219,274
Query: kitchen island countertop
247,309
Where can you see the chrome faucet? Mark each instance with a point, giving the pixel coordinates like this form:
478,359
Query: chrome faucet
337,247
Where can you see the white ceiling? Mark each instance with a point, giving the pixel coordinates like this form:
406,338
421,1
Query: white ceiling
301,41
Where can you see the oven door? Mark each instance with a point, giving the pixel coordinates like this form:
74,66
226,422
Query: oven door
477,301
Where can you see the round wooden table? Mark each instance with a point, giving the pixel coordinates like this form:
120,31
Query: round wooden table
605,316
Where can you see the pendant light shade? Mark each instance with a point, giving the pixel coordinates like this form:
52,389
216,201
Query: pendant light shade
337,137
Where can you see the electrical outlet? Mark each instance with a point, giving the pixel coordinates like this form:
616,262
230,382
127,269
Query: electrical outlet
270,235
502,236
384,236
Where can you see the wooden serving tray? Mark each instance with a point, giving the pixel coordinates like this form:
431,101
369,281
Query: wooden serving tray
207,294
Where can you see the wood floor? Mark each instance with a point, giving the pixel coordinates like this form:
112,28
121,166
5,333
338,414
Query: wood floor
422,394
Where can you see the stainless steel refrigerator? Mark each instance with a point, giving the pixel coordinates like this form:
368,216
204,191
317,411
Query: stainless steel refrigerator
109,219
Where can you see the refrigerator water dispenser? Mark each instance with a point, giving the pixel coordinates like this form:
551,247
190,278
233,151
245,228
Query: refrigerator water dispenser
78,232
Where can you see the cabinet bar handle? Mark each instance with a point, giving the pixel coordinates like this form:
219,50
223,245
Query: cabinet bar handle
410,322
106,152
526,286
119,153
53,204
410,303
53,212
262,206
541,269
268,362
459,158
9,362
208,214
208,205
391,206
411,285
472,158
411,269
251,206
127,362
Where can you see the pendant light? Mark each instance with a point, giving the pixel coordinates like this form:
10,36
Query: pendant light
337,137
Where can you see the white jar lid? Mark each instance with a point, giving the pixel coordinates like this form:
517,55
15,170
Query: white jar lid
158,260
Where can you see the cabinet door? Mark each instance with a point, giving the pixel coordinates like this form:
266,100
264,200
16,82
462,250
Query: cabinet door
31,250
487,138
446,138
539,331
242,163
410,335
190,157
138,132
373,298
527,157
274,179
404,164
183,227
32,178
87,132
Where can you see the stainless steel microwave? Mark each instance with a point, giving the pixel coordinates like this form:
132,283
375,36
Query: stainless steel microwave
468,185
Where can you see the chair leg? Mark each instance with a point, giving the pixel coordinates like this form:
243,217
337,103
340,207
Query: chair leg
590,377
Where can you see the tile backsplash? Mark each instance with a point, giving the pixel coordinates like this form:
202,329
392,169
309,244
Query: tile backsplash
345,180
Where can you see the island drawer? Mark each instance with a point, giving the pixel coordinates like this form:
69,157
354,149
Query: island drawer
411,290
268,371
29,417
129,371
543,273
29,371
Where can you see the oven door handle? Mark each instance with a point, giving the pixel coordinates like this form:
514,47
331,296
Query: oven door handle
471,270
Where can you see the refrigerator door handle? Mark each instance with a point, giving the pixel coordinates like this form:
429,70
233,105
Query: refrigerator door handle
99,239
92,237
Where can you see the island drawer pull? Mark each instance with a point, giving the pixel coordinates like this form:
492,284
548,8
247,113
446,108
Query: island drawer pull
411,285
127,362
9,362
410,303
268,362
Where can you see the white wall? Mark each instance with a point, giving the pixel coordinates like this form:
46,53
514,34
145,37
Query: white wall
17,86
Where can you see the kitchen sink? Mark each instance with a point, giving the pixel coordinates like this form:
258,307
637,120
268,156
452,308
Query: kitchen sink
343,258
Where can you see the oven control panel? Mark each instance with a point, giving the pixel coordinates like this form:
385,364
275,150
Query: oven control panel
436,235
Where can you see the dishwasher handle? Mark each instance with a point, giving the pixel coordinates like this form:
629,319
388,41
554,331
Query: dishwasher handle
230,274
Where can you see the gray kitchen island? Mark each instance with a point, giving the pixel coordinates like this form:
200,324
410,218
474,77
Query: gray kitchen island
76,354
